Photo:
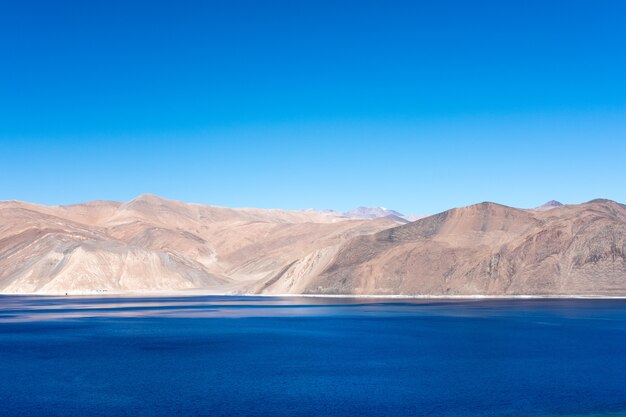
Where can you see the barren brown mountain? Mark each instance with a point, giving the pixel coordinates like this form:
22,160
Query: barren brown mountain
488,249
151,243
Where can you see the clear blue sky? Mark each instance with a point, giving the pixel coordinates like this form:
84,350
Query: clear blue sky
418,106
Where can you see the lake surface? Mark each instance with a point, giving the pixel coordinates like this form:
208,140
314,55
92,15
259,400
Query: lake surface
259,356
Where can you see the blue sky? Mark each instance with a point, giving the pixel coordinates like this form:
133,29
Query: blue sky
418,106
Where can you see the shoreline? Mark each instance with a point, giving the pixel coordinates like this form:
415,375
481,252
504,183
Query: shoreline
193,293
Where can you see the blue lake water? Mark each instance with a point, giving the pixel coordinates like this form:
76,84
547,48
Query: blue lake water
261,356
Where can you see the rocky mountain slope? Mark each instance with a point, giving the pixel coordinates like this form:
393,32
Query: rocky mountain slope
151,243
488,249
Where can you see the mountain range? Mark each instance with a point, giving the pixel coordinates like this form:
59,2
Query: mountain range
371,213
155,244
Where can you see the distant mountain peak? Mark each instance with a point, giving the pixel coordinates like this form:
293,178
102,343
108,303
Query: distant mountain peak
149,198
372,213
549,205
600,200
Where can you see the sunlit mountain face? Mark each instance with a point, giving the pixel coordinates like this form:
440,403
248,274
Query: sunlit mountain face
152,244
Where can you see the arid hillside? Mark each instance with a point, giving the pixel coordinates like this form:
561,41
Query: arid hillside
155,244
488,249
151,243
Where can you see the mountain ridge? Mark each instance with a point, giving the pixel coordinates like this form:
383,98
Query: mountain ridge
154,244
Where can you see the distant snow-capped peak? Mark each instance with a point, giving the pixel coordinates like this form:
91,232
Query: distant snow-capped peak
369,213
